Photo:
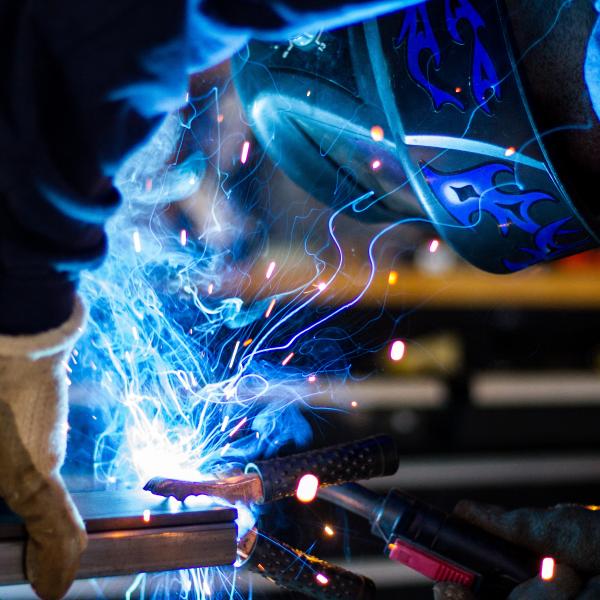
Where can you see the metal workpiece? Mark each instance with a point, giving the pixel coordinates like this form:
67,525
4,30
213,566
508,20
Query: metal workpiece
134,532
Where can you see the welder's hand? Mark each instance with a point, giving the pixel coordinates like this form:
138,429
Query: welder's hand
568,533
33,434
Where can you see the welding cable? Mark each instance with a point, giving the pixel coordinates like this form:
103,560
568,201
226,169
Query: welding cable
297,571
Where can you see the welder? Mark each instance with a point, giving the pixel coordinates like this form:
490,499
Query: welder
84,84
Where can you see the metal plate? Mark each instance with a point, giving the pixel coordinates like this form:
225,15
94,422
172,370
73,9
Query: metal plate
124,539
119,510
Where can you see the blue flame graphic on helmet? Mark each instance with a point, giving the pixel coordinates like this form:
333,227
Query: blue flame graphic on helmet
467,194
422,43
547,246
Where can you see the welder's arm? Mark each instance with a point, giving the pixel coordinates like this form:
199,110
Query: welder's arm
33,425
568,533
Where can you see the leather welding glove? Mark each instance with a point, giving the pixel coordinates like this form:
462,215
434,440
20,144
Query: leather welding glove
568,533
33,436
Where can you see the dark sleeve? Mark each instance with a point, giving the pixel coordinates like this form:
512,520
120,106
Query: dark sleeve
84,84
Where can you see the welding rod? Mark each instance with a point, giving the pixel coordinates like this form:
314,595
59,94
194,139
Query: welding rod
133,532
439,545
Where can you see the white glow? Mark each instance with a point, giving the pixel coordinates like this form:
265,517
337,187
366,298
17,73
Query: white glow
235,350
397,350
547,570
271,269
245,152
307,488
137,242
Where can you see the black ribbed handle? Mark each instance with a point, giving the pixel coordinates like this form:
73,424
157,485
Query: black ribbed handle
299,572
372,457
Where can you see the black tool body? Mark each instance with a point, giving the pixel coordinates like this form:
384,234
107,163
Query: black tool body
297,571
376,456
439,545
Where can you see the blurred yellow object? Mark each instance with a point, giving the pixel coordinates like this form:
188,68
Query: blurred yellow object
440,353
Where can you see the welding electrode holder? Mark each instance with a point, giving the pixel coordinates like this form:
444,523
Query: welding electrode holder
439,545
375,456
297,571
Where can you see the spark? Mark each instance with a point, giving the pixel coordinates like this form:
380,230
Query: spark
225,448
137,242
458,90
377,133
146,516
312,378
307,488
235,349
322,579
206,588
238,427
393,278
220,118
271,269
434,246
397,350
148,184
211,288
322,286
270,309
183,237
248,342
245,151
376,164
510,151
547,570
287,359
225,423
328,531
308,92
354,404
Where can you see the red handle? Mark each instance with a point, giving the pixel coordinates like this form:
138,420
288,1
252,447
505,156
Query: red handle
430,565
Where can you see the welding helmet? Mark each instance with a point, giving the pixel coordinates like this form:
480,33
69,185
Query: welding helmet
420,114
